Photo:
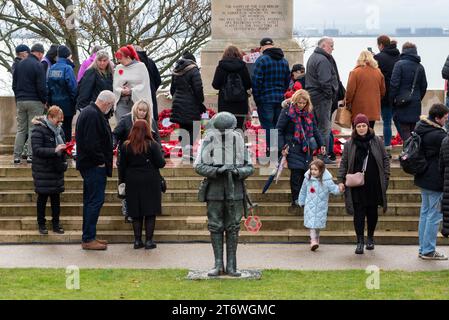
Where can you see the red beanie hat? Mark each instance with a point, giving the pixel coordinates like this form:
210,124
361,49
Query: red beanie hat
361,118
127,51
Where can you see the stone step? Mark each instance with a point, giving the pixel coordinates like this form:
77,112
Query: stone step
174,196
199,209
6,149
269,223
176,183
8,139
24,170
287,236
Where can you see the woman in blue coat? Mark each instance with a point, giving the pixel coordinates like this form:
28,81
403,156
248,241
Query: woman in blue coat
401,86
297,130
62,88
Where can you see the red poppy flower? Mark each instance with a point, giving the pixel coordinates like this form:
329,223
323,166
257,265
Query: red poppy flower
120,72
312,190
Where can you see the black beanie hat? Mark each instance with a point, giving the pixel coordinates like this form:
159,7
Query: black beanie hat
188,55
64,52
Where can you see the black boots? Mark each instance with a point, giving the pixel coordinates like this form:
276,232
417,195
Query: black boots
43,229
231,254
137,228
360,244
370,243
150,223
57,228
217,245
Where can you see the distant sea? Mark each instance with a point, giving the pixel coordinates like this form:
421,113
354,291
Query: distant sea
433,52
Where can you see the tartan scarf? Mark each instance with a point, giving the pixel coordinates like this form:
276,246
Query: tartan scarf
303,121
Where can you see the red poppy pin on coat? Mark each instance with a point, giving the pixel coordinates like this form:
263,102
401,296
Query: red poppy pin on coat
120,72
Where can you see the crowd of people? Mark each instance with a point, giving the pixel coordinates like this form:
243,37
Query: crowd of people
298,102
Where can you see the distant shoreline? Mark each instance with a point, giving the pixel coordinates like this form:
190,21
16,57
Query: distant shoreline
371,36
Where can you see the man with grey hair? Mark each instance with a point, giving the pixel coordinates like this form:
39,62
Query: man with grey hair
94,161
322,84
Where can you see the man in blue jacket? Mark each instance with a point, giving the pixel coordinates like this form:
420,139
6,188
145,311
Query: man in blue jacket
30,91
271,78
62,88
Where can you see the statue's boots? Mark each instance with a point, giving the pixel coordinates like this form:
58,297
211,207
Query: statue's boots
217,245
231,254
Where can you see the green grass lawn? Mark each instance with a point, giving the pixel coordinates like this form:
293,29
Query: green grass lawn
172,285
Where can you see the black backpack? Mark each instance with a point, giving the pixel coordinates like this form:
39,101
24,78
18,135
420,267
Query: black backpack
412,158
233,90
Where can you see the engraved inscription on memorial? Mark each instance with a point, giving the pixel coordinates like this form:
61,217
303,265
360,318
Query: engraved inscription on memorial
251,17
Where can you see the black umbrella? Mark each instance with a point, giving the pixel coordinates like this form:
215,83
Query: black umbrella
273,175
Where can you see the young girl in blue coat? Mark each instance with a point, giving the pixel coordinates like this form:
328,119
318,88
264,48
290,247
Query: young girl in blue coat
314,197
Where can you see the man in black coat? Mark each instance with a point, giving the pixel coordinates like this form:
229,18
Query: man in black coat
94,161
387,58
30,90
432,132
155,78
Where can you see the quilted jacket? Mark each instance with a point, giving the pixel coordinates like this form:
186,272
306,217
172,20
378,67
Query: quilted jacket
314,196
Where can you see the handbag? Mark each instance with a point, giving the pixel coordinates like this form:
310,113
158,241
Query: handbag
357,179
163,183
121,190
405,99
343,117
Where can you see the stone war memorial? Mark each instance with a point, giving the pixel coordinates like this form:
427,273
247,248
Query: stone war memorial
227,230
244,24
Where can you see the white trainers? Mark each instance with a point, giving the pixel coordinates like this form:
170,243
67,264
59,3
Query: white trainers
434,256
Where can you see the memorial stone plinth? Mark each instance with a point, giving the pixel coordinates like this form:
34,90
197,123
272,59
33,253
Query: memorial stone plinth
244,24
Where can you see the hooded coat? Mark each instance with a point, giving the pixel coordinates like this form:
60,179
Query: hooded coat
48,167
226,67
387,58
187,92
314,197
432,134
401,84
271,77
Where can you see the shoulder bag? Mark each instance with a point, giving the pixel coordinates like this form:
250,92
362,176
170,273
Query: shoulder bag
357,179
405,99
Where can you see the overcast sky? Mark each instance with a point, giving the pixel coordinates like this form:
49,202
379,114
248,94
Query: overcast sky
357,14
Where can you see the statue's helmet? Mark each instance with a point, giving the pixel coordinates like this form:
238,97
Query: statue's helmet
224,121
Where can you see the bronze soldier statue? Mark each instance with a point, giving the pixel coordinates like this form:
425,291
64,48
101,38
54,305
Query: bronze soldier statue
225,162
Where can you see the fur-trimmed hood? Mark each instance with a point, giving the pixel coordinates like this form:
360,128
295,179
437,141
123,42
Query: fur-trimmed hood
425,125
39,121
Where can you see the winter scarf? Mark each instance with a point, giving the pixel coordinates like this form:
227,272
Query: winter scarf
303,121
56,130
363,144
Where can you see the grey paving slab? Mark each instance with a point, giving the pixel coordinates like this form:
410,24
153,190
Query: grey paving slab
200,257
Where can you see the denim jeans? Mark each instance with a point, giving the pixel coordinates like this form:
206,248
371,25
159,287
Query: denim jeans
94,186
387,117
429,220
447,100
268,117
